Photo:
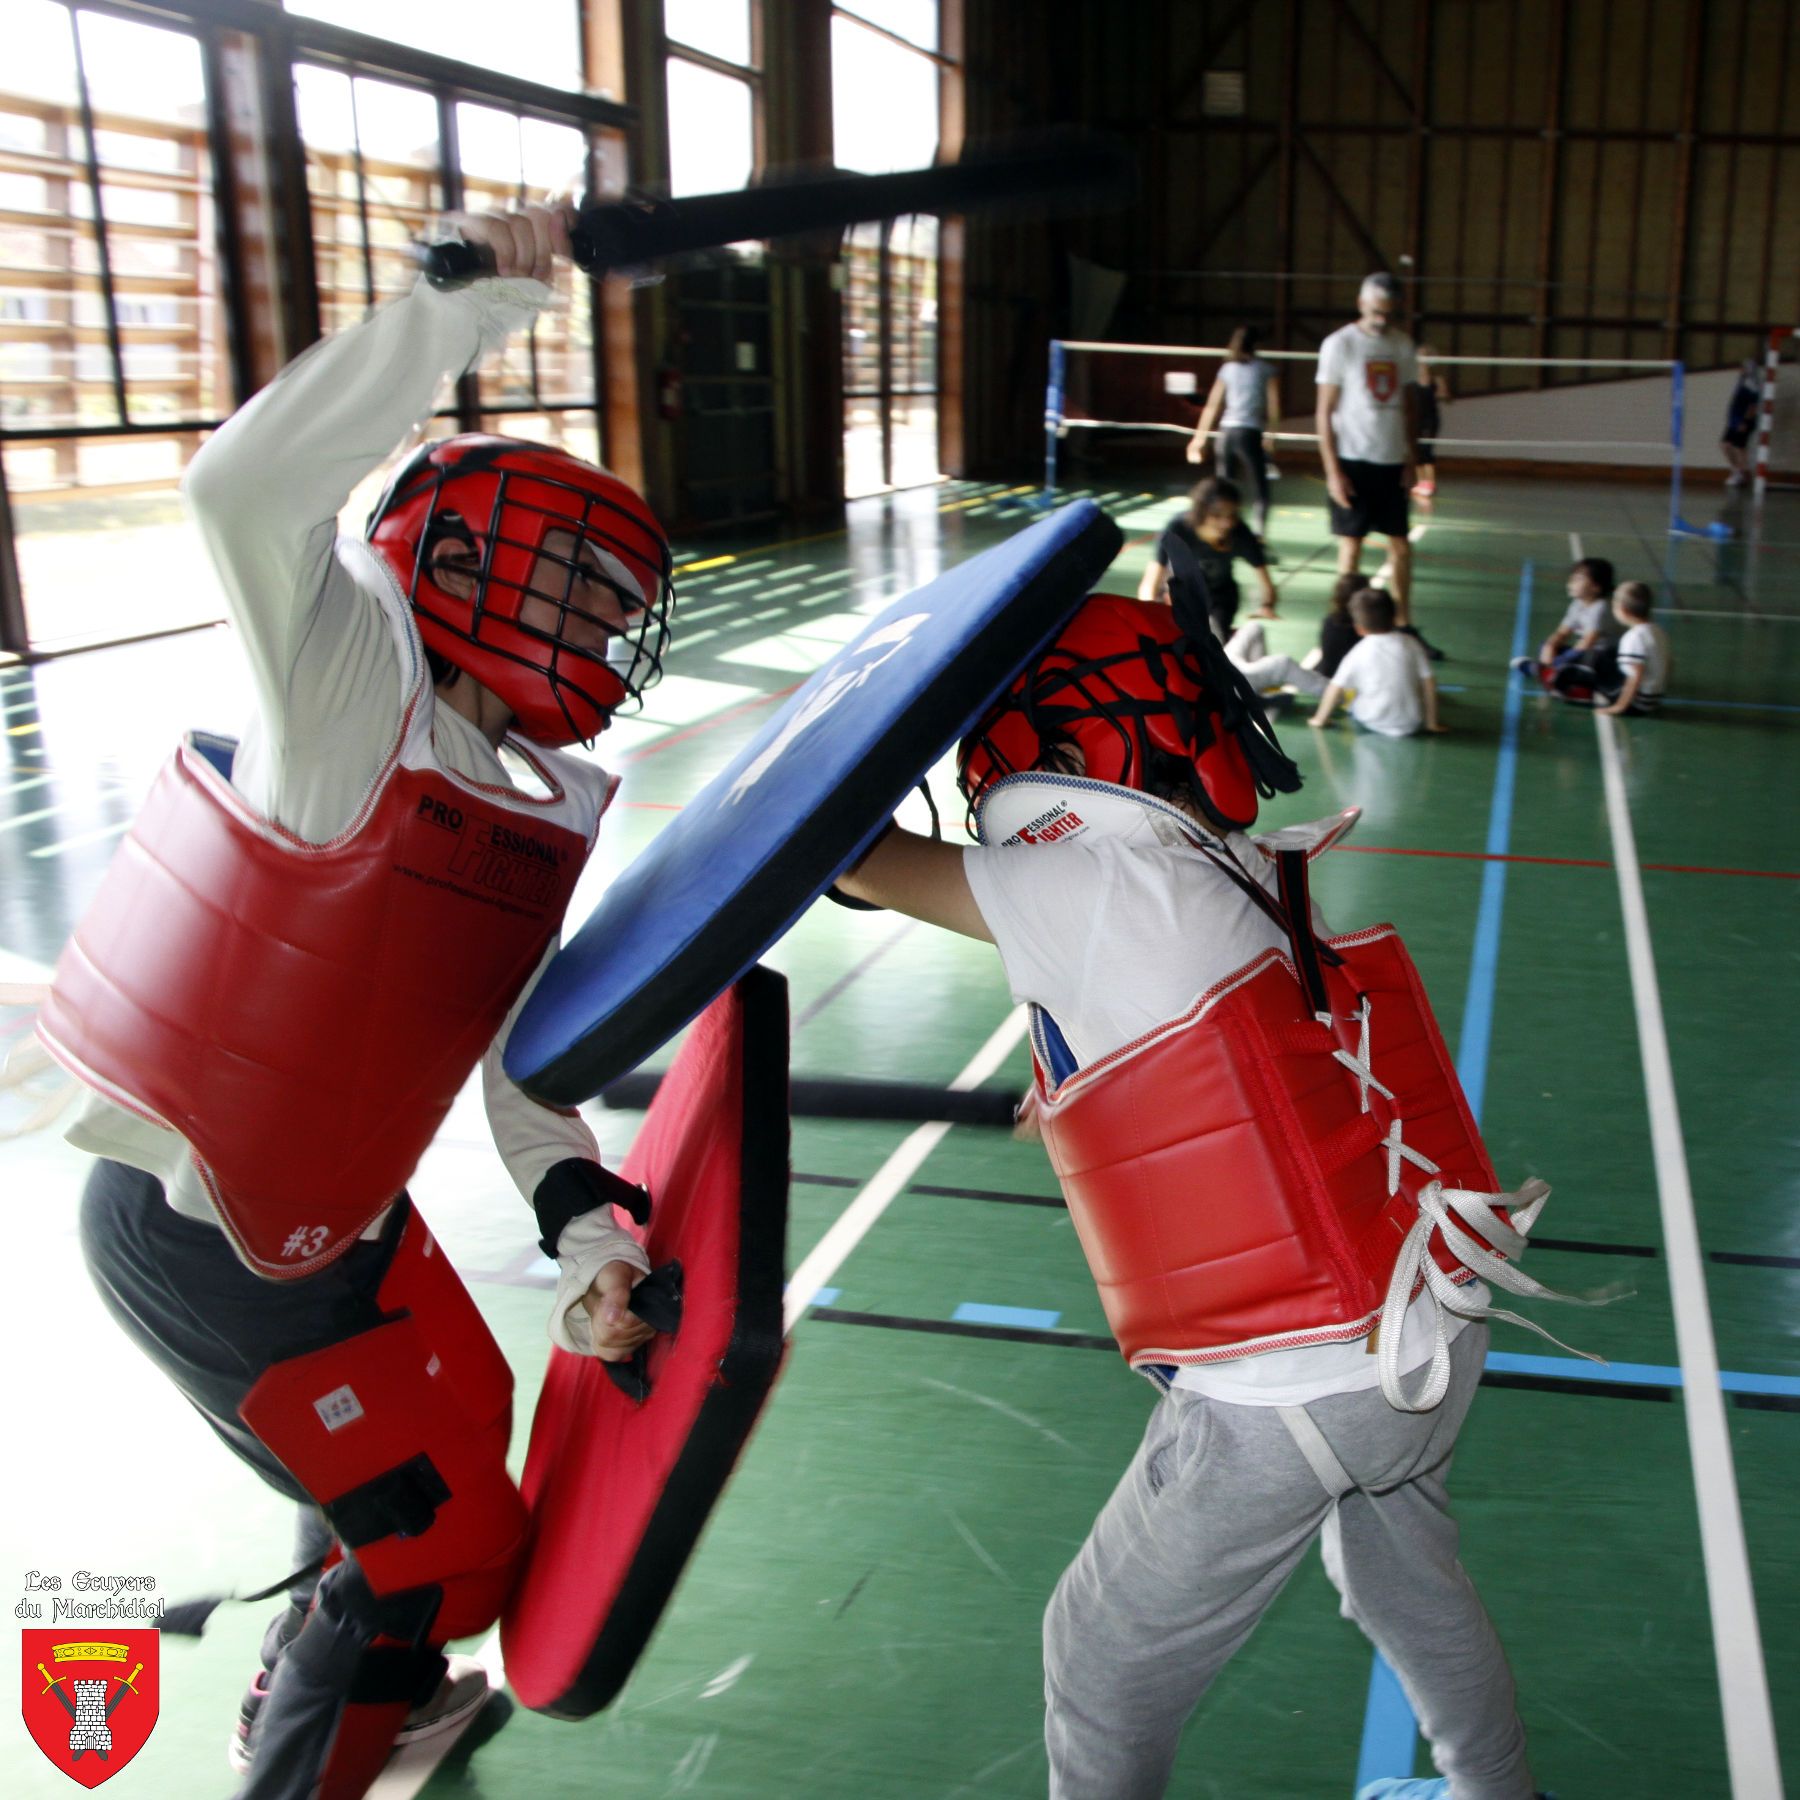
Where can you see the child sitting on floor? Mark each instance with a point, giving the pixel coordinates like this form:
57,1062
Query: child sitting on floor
1630,676
1564,662
1248,649
1387,673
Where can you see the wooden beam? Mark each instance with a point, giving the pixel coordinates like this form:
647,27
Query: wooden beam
953,275
1378,258
1684,177
1421,144
1776,315
1366,38
1285,147
1234,22
1554,78
14,637
1234,205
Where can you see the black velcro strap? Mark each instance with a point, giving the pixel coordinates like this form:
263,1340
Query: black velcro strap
1296,903
575,1186
400,1502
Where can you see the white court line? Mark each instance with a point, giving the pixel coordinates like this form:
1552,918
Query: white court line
87,837
411,1768
1737,1642
854,1223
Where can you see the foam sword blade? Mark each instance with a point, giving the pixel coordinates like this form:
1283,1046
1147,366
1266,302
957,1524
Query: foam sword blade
1061,173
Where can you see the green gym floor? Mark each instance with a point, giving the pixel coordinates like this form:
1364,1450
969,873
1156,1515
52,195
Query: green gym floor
861,1619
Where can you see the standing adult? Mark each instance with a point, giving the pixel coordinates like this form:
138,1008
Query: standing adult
1239,405
1369,433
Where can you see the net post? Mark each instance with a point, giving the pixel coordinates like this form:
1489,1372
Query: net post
1053,412
1765,411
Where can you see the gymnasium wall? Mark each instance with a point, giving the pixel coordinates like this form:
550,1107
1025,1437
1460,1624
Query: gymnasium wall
1571,178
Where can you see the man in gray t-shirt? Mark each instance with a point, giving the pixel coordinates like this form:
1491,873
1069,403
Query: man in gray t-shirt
1369,434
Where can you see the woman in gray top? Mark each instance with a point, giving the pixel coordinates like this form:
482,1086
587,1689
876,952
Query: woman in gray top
1241,395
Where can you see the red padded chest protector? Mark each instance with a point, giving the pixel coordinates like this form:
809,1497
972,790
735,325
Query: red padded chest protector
304,1014
1234,1180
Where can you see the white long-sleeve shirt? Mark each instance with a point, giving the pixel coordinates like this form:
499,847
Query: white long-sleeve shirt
265,492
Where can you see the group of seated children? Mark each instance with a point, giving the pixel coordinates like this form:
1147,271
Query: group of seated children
1606,653
1387,665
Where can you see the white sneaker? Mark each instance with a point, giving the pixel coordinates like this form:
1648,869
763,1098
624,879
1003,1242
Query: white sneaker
1736,478
460,1695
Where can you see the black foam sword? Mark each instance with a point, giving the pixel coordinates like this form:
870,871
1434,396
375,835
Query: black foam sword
1068,172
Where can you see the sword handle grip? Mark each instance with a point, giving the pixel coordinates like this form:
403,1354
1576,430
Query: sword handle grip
452,265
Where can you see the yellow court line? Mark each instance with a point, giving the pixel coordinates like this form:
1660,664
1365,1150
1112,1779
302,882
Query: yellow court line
820,537
23,730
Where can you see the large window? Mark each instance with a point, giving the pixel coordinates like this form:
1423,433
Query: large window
113,352
149,277
714,92
536,40
722,344
885,75
378,174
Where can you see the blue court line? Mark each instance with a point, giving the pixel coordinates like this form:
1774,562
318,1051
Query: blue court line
974,1312
1484,966
1390,1736
1571,1368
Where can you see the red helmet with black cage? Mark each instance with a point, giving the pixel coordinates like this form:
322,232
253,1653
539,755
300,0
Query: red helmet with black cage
1145,704
514,617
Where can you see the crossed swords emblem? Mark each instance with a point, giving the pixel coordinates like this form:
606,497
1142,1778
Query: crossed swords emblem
125,1687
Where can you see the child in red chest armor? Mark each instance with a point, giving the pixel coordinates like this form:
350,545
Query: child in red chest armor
1277,1182
384,887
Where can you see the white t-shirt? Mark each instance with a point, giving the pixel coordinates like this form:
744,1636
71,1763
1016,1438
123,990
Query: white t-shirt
265,492
1584,616
1388,672
1372,374
1246,395
1111,938
1646,645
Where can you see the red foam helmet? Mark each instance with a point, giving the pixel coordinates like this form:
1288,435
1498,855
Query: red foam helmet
563,636
1126,688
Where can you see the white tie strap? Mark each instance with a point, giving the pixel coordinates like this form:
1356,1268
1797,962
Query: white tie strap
1493,1256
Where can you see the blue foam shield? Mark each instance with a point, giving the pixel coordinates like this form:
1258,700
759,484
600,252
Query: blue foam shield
802,800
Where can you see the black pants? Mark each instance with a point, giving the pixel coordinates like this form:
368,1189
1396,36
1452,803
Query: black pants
178,1290
1241,459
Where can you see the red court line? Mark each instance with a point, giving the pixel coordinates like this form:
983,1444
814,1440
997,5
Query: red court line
1569,862
1555,862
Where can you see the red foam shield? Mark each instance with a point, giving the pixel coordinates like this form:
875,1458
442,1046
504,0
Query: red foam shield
619,1491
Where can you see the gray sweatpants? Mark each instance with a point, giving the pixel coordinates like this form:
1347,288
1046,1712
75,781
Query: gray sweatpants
1211,1518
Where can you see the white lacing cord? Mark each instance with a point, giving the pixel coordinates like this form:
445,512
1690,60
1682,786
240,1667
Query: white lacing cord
1439,1209
1437,1204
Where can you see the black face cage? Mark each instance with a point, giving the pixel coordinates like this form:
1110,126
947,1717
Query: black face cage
647,622
1058,693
